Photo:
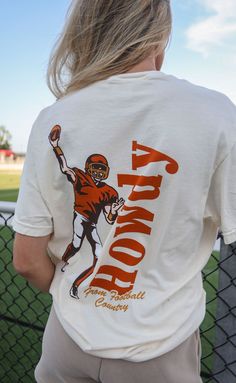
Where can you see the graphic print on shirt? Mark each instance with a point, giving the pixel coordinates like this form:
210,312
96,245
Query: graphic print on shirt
92,196
113,285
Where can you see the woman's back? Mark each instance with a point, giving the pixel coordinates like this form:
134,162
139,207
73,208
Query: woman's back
128,177
134,174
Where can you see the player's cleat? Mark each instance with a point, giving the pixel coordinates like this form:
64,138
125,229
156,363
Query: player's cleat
74,292
64,266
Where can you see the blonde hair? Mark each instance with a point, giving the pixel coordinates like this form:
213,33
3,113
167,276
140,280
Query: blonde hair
102,38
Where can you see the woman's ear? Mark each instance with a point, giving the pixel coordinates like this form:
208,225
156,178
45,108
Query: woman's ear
159,60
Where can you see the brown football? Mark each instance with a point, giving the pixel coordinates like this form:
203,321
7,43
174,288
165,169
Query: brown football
55,132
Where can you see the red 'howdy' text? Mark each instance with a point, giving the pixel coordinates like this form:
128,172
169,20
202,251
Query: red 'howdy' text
129,251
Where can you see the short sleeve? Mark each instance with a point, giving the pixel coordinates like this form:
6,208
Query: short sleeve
221,201
32,216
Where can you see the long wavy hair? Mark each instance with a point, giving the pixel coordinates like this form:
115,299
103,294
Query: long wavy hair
102,38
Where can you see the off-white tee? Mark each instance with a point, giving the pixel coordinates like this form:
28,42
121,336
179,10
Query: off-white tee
141,177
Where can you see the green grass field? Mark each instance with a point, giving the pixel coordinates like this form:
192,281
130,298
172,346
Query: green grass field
9,185
20,346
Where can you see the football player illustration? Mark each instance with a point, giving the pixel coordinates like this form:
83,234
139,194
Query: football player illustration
91,197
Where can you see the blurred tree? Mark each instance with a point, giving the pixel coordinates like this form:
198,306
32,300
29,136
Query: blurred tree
5,137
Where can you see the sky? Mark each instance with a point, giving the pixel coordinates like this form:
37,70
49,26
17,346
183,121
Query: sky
202,50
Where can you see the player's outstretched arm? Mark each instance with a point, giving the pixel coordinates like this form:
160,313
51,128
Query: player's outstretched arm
54,137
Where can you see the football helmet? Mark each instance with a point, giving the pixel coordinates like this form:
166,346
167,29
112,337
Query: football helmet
97,166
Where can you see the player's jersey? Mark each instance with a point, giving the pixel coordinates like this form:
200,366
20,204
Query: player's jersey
90,198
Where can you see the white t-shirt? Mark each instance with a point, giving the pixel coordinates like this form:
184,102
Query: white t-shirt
167,148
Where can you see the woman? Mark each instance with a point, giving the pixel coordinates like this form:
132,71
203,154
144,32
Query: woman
126,182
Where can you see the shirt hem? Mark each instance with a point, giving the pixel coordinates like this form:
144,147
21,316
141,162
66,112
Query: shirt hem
229,237
26,229
153,350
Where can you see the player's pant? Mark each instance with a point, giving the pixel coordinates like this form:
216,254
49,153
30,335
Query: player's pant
83,228
63,361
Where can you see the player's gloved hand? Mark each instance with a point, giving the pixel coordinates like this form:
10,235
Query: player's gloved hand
117,205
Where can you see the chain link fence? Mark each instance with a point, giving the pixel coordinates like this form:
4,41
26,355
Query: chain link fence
24,312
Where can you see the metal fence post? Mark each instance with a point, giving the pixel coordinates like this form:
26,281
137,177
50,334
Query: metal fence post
224,367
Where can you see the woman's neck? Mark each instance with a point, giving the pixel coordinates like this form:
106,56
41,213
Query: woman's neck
150,63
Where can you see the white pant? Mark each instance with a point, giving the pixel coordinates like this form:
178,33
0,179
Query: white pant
62,361
85,228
